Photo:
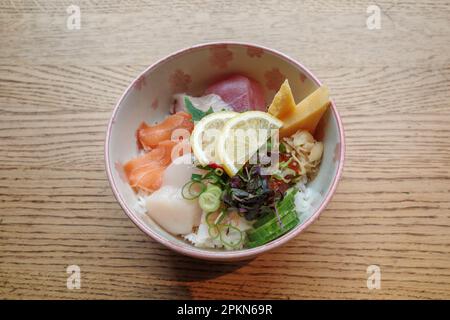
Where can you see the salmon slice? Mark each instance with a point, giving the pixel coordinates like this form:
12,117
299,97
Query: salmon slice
150,170
149,178
145,172
152,180
169,153
156,155
150,136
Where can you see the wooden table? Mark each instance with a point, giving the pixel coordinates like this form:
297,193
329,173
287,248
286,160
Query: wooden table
57,91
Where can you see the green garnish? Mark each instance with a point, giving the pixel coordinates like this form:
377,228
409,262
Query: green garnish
209,200
281,178
207,219
275,224
216,228
215,177
196,114
211,177
196,177
285,163
220,217
226,232
273,236
192,190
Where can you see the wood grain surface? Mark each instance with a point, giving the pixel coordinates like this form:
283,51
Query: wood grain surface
57,91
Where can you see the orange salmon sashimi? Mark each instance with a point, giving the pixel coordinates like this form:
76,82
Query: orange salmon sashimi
148,177
145,172
155,156
152,180
150,136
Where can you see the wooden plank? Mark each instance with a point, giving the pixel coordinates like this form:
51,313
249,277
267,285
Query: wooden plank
139,32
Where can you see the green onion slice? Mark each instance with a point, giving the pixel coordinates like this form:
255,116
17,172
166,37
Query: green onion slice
213,231
226,235
192,190
208,201
210,222
220,217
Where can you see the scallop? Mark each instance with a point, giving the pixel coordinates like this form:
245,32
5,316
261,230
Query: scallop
180,171
167,207
170,210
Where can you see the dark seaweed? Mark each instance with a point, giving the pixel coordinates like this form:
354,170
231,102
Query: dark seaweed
249,192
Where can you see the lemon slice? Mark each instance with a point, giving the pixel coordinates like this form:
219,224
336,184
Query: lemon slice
205,133
242,136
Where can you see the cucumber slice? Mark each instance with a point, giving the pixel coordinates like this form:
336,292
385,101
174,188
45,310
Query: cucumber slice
264,220
283,208
273,222
268,228
287,228
271,227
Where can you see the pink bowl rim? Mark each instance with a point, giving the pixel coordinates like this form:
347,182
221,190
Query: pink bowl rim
224,255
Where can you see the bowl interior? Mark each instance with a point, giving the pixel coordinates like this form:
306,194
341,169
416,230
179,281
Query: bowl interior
149,98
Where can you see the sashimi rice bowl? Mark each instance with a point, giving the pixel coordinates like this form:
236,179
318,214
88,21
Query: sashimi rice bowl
225,150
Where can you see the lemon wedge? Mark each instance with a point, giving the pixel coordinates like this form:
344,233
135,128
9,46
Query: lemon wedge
242,136
204,136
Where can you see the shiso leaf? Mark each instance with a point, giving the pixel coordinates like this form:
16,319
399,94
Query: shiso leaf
196,114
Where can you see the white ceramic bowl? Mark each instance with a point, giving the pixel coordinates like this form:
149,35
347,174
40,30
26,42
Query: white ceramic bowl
190,70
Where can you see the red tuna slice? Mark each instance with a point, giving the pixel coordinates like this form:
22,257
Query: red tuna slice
240,92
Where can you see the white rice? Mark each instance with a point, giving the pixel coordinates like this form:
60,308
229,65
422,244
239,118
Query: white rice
304,200
140,206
